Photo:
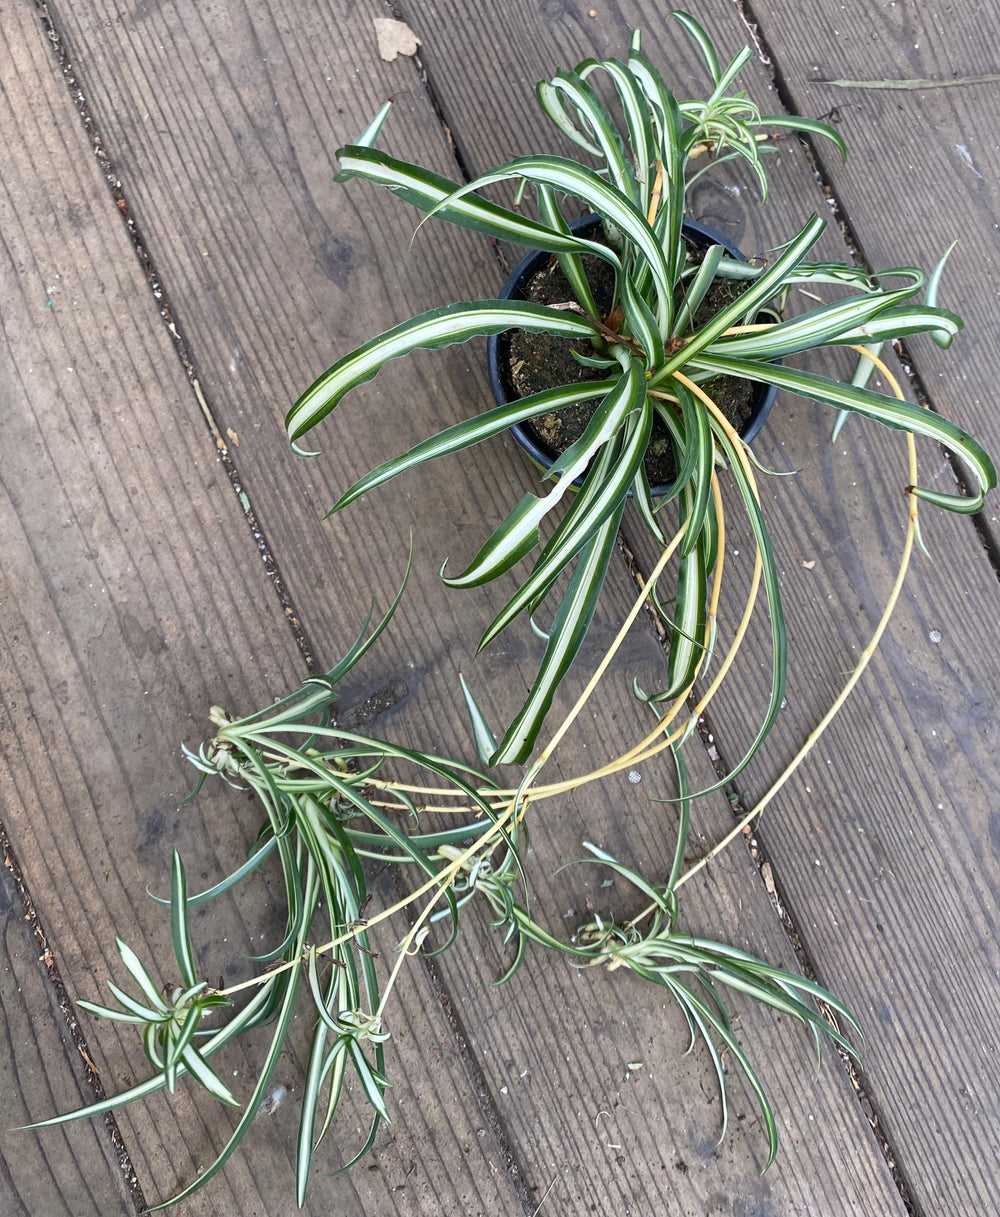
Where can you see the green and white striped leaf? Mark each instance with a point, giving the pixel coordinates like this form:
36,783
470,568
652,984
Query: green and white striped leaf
637,121
115,1016
899,415
807,126
670,138
640,323
205,1076
430,191
699,443
370,134
179,922
697,288
779,642
566,539
934,284
728,77
440,327
861,319
482,734
687,648
178,1046
576,610
553,105
137,970
603,492
472,431
941,324
778,975
252,863
584,100
129,1003
638,881
582,183
322,1065
571,264
518,534
704,43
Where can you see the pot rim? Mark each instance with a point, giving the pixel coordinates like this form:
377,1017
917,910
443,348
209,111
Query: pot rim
513,288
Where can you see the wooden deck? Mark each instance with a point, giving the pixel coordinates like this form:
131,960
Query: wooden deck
177,265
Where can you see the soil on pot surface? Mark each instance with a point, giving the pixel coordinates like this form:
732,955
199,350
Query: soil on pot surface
542,361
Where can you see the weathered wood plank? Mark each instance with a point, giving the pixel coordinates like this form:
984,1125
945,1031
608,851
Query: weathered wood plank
932,151
74,1172
271,272
133,598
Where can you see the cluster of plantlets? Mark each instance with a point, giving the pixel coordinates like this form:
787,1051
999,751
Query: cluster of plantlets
333,798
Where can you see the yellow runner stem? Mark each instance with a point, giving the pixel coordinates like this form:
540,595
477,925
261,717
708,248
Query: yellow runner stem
516,801
866,655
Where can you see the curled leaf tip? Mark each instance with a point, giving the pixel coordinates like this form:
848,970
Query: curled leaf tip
299,451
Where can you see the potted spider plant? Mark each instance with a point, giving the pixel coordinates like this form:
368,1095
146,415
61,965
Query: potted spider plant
651,358
332,797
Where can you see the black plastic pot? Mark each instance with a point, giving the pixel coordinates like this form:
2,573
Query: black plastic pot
515,288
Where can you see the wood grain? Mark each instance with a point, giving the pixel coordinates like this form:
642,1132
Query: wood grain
930,153
226,157
133,598
72,1173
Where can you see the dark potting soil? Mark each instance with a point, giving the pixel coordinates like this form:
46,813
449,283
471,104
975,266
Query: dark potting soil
543,361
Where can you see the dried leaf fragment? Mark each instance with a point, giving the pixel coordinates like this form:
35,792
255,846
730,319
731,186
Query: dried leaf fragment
394,38
809,565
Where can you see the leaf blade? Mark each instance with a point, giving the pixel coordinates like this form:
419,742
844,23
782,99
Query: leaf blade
432,330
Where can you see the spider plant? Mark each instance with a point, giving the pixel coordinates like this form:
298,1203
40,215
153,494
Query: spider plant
331,799
649,359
